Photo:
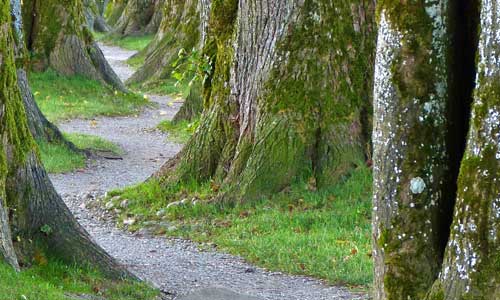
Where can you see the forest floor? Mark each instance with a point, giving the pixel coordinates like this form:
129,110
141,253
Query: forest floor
177,267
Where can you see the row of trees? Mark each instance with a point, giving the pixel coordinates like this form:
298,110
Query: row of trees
286,95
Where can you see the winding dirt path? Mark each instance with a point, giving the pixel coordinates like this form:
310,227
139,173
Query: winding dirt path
175,266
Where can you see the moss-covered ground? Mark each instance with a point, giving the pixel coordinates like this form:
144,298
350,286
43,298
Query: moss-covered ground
325,233
61,98
52,280
60,159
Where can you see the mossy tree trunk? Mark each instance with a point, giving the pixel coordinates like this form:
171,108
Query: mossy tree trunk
288,98
114,10
57,37
436,211
139,17
94,16
30,209
183,26
41,129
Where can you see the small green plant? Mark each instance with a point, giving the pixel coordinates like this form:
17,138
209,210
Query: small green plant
180,131
46,229
191,67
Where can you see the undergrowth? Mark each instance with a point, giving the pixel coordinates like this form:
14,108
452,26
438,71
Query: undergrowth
180,131
53,280
325,234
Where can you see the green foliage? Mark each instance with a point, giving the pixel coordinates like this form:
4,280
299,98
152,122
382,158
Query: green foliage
52,280
62,98
326,233
181,131
191,67
60,159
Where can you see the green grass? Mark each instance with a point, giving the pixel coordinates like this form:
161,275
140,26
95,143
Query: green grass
62,98
133,43
54,281
60,159
325,234
179,132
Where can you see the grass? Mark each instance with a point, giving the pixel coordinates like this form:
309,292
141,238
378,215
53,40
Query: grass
55,281
60,159
179,132
61,98
325,234
133,43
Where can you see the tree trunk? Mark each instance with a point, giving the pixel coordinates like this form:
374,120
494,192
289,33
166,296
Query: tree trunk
114,11
30,209
139,17
424,79
57,37
180,29
40,128
287,99
94,16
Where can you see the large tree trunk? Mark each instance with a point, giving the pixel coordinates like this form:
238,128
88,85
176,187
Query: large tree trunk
139,17
30,209
56,35
40,128
288,96
423,85
114,11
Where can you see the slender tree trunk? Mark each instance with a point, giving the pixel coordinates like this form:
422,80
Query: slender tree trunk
30,209
56,35
423,82
288,96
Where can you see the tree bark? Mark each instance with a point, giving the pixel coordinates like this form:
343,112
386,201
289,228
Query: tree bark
56,35
287,98
30,209
423,83
139,17
94,16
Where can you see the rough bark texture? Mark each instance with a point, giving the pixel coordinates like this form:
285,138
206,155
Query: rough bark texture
56,35
192,106
30,208
139,17
417,150
94,16
471,267
287,97
181,28
114,11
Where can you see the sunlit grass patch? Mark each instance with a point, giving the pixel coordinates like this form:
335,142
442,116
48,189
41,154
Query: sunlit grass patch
61,97
56,281
325,233
59,158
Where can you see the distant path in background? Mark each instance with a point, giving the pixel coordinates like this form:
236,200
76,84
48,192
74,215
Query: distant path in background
177,267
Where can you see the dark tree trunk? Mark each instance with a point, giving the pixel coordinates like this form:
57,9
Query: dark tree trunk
288,96
426,53
30,208
56,35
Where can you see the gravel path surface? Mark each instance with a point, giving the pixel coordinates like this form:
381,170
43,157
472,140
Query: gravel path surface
177,267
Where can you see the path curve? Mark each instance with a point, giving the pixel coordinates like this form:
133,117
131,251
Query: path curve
175,266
